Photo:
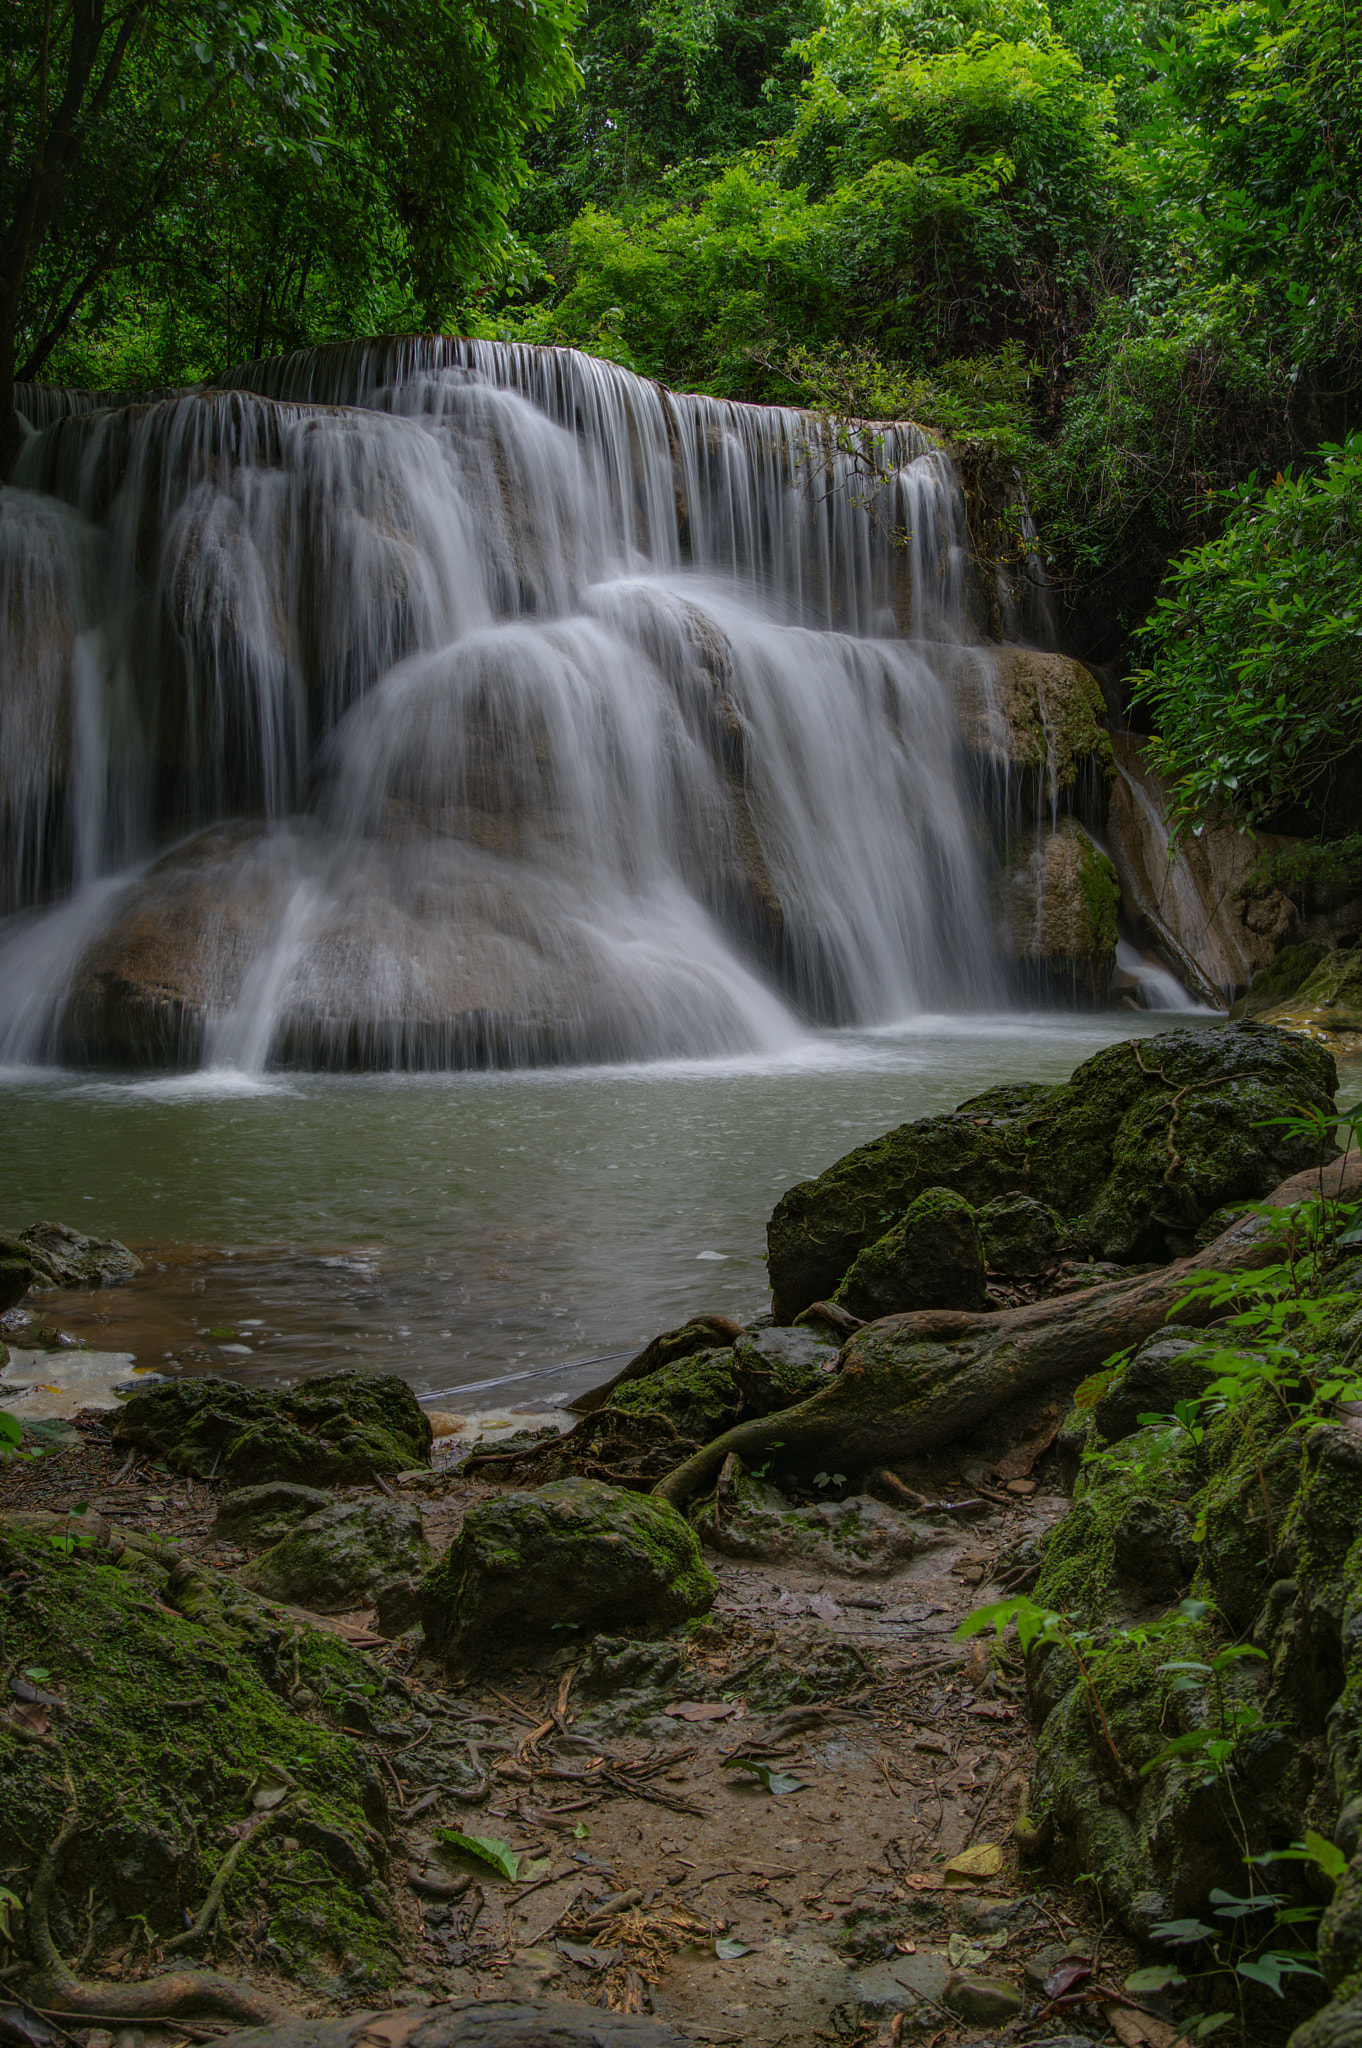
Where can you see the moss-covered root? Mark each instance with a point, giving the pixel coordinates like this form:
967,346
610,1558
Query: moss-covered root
180,1995
909,1382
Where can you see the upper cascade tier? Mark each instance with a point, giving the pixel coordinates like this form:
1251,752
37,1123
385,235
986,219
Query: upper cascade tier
417,702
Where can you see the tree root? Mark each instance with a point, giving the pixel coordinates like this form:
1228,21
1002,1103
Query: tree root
180,1995
217,1890
910,1382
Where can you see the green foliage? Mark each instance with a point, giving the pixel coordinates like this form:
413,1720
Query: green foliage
940,192
257,175
1254,655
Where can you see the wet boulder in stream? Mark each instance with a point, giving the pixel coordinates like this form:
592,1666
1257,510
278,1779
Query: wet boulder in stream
1135,1151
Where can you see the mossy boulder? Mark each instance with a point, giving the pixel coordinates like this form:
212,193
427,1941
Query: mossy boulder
338,1429
933,1258
1164,1370
1022,1238
67,1258
775,1368
257,1516
1057,907
177,1695
532,1571
1144,1142
1328,1003
345,1556
1292,967
1262,1521
697,1393
853,1538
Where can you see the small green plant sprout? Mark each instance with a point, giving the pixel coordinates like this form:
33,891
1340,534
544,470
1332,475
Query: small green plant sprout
760,1471
826,1479
1232,1716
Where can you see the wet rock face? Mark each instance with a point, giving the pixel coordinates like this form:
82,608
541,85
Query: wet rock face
571,1555
1022,1238
1057,914
339,1429
1145,1142
62,1257
934,1258
347,1555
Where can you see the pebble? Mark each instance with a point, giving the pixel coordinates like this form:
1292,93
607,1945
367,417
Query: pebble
985,2000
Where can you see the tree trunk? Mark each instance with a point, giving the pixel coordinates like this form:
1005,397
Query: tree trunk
910,1382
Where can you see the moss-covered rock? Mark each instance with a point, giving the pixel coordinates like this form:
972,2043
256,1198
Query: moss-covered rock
1328,1003
1292,967
66,1258
1164,1370
257,1516
574,1555
337,1429
179,1697
1146,1140
1268,1517
775,1368
344,1556
1057,906
933,1258
697,1393
1022,1238
856,1537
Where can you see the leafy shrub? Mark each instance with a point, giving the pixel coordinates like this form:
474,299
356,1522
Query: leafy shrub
1254,656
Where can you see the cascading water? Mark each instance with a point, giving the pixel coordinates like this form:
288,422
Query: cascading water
423,703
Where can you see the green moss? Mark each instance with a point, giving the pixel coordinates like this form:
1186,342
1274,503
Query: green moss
1145,1141
166,1721
574,1554
934,1258
1101,893
336,1429
698,1394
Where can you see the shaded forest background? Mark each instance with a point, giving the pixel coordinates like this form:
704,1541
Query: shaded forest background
1110,248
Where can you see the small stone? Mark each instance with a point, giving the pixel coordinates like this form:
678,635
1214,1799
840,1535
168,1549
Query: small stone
985,2000
1023,1488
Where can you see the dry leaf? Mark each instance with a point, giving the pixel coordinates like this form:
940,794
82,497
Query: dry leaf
984,1860
31,1716
1139,2029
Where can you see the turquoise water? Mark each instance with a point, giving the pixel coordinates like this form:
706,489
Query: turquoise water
485,1235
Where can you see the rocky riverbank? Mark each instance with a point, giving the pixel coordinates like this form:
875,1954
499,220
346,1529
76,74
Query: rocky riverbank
687,1679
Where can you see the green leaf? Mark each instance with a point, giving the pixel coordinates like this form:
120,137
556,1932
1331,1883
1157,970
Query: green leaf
1160,1977
484,1847
730,1948
773,1780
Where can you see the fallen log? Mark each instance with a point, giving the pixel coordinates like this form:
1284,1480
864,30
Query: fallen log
910,1382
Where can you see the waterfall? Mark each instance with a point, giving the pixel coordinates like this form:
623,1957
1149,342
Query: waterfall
429,702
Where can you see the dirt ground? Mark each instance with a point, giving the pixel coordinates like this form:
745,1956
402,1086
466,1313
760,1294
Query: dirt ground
661,1877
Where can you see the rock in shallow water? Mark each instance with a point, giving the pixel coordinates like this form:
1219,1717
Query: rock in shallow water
1096,1149
337,1429
529,1570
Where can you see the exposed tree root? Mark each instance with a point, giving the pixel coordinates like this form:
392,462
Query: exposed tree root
180,1995
212,1905
701,1333
909,1382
